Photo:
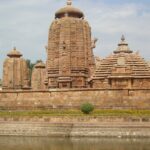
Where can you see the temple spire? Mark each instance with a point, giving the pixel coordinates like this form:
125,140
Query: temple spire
123,38
123,46
69,2
14,48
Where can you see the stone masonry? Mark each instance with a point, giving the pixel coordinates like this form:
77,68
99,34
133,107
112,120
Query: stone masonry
38,76
63,98
15,72
123,69
70,55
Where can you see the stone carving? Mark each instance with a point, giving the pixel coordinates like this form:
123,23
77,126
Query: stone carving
15,71
94,42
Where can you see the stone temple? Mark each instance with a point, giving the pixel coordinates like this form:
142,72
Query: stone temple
122,69
15,71
70,57
71,63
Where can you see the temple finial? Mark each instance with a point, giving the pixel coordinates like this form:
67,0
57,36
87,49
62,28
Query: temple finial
122,38
69,2
14,48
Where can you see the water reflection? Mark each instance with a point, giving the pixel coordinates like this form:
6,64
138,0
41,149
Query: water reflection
36,143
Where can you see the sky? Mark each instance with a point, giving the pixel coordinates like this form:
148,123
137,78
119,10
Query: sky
25,24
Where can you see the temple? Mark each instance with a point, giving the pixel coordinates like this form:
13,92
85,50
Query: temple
122,69
71,63
15,72
70,57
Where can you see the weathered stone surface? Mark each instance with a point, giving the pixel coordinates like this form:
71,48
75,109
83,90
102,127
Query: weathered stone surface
149,63
97,61
15,72
123,69
70,56
26,128
101,98
38,76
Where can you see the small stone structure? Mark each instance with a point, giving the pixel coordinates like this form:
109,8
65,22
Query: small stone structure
15,72
38,76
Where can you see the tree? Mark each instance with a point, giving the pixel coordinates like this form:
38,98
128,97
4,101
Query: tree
87,108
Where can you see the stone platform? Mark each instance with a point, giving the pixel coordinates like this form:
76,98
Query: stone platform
75,127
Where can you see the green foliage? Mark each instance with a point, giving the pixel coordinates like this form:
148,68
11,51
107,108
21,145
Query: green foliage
87,108
76,113
31,66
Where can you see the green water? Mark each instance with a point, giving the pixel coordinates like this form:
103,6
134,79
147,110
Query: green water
36,143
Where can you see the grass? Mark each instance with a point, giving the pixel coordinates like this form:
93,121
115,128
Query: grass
76,113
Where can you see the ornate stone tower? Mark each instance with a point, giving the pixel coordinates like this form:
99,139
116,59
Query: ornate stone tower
38,76
70,59
15,72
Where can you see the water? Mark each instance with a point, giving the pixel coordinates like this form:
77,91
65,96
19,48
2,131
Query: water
36,143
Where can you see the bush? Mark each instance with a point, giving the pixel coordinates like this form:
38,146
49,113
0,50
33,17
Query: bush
86,108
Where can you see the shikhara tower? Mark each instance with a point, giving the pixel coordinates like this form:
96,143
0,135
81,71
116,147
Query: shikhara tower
70,60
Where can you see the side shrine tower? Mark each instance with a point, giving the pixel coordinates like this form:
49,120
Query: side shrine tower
70,60
124,69
15,72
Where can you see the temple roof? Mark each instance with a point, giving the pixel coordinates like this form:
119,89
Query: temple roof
40,64
69,10
123,57
123,46
14,53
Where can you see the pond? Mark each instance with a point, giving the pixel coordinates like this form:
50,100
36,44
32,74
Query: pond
45,143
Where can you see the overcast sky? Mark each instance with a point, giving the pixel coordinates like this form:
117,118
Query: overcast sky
25,24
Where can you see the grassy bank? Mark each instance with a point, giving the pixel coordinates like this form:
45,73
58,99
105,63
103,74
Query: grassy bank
74,113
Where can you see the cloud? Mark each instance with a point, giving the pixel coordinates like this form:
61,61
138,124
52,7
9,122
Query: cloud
25,24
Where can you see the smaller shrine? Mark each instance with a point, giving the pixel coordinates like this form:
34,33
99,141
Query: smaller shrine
15,72
122,69
38,76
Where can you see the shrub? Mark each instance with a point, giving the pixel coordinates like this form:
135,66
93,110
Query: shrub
86,108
